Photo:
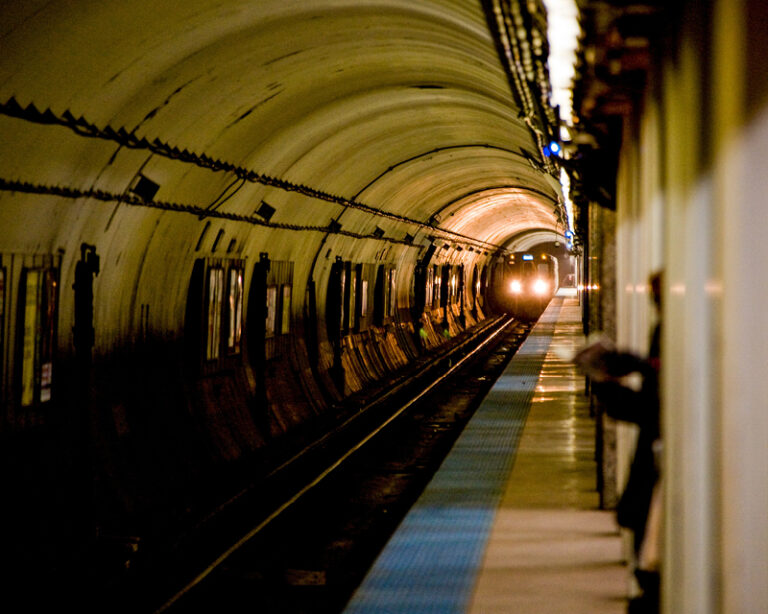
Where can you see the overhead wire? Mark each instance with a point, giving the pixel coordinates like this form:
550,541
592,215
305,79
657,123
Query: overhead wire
72,193
131,140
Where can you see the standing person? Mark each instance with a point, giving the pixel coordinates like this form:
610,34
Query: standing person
627,385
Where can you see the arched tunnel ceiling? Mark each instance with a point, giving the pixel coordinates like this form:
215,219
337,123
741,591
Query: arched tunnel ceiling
401,105
530,239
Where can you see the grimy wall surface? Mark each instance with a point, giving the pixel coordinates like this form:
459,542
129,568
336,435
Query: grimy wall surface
219,220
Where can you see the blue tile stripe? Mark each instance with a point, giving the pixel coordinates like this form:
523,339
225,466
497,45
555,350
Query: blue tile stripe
429,566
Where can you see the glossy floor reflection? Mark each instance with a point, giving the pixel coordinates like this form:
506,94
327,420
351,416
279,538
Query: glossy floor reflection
509,523
550,549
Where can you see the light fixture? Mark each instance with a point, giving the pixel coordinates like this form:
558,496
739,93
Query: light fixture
144,188
265,211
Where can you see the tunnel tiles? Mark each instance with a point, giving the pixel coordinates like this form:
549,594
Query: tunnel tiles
430,563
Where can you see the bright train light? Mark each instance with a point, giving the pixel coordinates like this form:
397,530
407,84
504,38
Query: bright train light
540,286
515,287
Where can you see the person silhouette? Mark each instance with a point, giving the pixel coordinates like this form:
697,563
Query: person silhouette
627,386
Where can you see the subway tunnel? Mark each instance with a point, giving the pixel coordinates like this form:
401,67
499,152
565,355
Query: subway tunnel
225,225
221,212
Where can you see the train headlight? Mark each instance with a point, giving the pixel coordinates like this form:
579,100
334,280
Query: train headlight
540,287
515,287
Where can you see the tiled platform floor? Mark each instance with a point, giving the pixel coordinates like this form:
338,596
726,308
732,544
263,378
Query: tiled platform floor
509,524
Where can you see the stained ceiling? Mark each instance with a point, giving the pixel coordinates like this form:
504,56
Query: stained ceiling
406,108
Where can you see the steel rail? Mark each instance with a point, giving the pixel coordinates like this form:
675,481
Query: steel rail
330,469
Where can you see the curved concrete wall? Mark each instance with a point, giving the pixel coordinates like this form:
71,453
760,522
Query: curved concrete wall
153,137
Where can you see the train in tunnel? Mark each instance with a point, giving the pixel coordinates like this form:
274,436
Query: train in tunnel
164,424
225,227
224,224
524,283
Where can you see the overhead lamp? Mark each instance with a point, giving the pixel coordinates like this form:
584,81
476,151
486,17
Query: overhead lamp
553,149
265,211
144,187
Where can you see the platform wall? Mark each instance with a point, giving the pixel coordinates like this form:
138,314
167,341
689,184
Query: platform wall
692,200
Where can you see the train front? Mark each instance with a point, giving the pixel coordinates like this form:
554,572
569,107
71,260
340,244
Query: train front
529,283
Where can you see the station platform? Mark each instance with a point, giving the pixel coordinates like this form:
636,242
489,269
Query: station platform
510,521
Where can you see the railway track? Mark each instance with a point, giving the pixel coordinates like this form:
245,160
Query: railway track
301,541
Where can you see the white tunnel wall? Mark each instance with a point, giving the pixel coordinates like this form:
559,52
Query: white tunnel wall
413,117
639,239
687,369
741,197
693,198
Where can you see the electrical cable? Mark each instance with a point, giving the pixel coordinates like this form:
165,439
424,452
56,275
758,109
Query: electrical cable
133,200
84,128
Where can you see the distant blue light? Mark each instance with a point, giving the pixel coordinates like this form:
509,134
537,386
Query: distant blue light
568,234
554,147
527,257
547,152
